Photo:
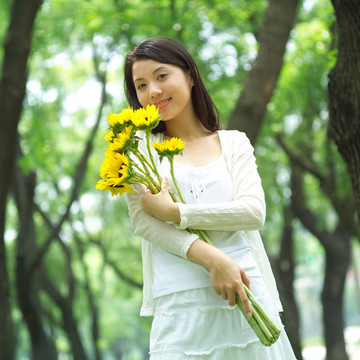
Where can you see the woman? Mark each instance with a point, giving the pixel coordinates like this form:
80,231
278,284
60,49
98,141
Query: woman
190,286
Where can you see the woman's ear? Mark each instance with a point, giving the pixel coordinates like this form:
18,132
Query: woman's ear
190,79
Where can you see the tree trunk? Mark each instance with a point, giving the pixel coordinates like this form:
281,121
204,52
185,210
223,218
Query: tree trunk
7,341
284,269
344,91
337,250
260,83
69,321
27,290
337,262
93,306
12,92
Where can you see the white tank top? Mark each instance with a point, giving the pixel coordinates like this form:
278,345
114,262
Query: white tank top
205,184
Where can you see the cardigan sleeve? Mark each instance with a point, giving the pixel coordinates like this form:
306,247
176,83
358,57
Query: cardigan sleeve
156,231
247,209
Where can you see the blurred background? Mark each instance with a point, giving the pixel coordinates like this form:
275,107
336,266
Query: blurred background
70,267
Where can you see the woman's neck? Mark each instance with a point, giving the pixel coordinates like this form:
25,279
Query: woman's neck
186,129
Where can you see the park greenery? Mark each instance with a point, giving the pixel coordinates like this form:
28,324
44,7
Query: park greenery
85,275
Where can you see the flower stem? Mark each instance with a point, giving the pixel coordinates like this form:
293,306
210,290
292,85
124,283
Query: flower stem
171,160
140,169
202,235
174,196
144,162
150,183
154,168
271,325
253,323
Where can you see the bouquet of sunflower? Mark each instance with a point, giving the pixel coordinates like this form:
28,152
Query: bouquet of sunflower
125,165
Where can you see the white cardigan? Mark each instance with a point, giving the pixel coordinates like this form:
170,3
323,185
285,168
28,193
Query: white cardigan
245,213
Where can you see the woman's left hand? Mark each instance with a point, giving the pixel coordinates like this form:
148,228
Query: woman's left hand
161,205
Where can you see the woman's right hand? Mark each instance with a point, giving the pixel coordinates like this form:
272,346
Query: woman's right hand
227,277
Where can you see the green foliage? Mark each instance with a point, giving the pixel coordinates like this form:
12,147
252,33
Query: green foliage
61,108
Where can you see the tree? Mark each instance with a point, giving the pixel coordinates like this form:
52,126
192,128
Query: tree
344,91
250,108
248,116
337,253
322,205
284,268
12,92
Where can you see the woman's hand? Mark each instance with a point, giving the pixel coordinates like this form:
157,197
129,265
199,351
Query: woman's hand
227,277
161,205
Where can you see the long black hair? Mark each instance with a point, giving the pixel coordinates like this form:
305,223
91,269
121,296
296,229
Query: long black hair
168,51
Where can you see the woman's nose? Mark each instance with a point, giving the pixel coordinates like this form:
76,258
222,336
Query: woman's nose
155,90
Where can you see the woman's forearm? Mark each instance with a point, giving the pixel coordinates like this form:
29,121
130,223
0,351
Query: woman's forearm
227,277
203,253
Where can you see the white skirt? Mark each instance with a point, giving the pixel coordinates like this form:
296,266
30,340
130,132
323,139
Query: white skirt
199,324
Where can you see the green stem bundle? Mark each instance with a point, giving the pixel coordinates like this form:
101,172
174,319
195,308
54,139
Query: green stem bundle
265,329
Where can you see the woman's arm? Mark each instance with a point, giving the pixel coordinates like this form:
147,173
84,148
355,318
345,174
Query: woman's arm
245,212
150,228
158,232
226,276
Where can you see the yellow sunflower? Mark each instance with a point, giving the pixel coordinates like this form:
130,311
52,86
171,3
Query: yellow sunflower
120,141
119,121
174,145
169,148
115,166
146,118
109,136
119,189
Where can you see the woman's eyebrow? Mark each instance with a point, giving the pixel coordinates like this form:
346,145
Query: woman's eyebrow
157,69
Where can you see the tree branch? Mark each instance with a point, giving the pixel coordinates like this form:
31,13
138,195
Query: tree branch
113,265
69,321
301,161
343,208
298,201
250,108
78,177
70,274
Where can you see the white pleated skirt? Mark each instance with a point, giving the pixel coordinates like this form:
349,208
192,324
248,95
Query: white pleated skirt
199,324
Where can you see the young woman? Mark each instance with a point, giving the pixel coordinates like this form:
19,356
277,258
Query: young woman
190,287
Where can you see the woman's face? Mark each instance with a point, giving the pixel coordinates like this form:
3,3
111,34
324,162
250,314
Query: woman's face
166,86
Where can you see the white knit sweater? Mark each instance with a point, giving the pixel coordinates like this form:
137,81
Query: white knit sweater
245,213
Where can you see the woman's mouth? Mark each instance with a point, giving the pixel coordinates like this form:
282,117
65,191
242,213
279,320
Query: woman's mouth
162,103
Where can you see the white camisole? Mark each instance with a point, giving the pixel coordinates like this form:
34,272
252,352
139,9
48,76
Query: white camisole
205,184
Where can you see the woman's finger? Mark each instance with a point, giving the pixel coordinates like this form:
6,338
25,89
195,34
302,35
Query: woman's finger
164,184
245,301
232,299
245,279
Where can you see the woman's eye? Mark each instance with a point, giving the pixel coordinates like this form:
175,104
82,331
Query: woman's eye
161,76
140,86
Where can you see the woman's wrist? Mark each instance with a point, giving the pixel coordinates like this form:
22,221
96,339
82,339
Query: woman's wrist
203,253
173,215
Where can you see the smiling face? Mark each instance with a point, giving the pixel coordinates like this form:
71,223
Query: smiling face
166,86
